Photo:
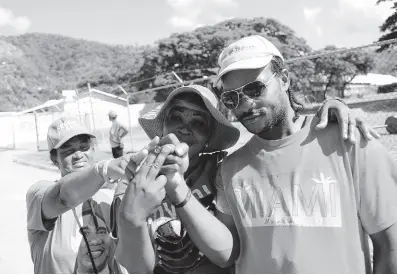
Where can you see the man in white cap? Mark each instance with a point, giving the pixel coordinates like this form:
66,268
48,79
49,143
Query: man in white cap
292,199
54,209
117,132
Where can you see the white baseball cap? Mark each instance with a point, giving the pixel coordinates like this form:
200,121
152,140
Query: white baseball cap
251,52
63,129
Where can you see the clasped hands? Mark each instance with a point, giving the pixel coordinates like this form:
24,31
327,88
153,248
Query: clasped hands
156,170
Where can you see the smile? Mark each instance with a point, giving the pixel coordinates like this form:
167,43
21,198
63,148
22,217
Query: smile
79,164
97,253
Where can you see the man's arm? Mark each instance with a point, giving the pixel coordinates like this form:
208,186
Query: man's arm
375,171
134,248
216,237
75,188
143,194
70,191
124,130
385,250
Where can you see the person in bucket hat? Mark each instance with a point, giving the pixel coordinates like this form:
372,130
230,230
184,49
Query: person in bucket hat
54,209
292,199
222,134
189,115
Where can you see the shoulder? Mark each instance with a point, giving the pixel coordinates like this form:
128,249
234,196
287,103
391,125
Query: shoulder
39,188
239,157
330,139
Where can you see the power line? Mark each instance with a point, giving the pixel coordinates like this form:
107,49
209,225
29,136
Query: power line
310,56
165,74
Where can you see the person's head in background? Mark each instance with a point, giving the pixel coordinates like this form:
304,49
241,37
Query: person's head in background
255,86
71,145
112,115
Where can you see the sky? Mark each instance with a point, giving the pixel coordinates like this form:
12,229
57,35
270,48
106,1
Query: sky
343,23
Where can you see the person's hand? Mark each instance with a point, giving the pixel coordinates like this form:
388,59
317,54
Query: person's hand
175,167
117,167
121,145
146,189
334,110
178,161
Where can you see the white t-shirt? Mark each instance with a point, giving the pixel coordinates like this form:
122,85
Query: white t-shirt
306,203
57,246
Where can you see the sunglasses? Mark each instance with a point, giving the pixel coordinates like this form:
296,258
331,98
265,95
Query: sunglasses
231,99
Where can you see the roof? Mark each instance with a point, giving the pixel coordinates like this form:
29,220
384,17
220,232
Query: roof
104,96
94,93
47,104
374,79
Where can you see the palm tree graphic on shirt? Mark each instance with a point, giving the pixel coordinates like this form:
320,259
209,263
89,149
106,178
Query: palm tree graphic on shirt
323,180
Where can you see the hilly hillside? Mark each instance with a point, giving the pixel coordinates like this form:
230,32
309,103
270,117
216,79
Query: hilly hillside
34,66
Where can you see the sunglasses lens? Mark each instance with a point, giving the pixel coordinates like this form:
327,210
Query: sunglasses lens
253,89
230,99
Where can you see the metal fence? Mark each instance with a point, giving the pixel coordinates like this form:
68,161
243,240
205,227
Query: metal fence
364,78
29,131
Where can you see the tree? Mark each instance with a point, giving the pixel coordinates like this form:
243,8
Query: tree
335,71
389,27
195,54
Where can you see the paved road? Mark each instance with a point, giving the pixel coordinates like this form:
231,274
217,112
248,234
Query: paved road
15,252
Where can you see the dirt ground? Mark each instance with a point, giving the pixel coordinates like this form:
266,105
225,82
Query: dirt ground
15,252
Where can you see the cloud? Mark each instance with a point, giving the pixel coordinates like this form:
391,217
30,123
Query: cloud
311,13
190,14
182,22
343,23
319,31
368,7
20,24
225,3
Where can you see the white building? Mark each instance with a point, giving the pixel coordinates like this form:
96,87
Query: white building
363,85
29,127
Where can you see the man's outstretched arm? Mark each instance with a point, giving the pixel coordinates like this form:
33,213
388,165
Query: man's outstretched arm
216,236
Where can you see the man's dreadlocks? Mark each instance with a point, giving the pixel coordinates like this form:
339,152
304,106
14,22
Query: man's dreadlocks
277,66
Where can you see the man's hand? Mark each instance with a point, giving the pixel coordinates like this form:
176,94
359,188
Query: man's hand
334,110
117,167
146,189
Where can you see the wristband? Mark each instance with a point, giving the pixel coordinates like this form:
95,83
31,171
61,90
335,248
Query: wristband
185,201
105,171
98,172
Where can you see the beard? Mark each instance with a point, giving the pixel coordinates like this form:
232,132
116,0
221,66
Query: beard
270,118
